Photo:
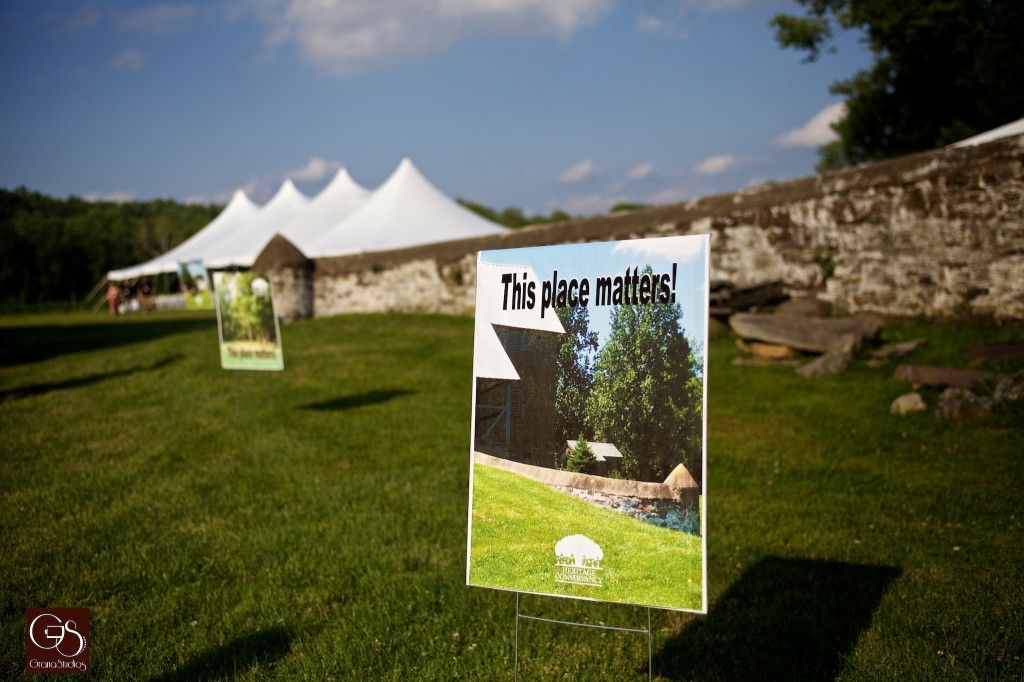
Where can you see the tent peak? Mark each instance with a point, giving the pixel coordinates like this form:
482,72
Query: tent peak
343,181
241,198
287,193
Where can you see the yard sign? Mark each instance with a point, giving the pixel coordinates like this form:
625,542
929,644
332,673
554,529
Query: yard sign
587,458
247,321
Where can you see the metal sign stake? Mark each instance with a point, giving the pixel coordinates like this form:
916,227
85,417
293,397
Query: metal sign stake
648,632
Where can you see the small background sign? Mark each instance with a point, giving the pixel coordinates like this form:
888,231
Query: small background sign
250,337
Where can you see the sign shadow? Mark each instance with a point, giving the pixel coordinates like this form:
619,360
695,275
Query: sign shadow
791,619
234,658
355,400
24,345
88,380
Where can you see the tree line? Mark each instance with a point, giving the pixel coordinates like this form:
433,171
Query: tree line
57,250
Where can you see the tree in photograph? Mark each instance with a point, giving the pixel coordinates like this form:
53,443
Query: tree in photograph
647,392
243,308
942,71
575,372
581,458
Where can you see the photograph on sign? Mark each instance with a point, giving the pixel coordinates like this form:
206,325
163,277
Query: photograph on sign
587,462
247,321
194,282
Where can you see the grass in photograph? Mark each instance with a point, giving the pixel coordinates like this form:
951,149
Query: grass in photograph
516,523
311,523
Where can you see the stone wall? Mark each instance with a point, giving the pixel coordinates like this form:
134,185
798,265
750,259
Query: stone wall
939,234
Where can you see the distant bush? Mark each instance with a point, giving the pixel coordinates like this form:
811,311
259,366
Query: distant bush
513,217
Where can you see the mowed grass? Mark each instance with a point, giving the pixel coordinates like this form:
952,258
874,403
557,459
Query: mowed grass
311,523
516,523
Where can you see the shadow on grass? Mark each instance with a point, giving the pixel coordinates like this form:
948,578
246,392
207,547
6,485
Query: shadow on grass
785,619
234,658
22,345
349,402
89,380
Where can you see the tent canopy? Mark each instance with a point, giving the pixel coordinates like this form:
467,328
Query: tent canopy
333,204
407,210
344,218
240,247
239,211
1008,130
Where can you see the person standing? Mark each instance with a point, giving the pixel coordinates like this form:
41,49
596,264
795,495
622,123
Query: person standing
113,294
144,291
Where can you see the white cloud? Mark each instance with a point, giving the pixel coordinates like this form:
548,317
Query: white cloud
715,165
678,250
345,38
316,169
86,16
673,195
641,171
129,60
260,190
578,173
157,19
649,24
115,197
674,15
817,131
589,204
713,6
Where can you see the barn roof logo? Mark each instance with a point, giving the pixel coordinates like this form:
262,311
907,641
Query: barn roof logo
578,561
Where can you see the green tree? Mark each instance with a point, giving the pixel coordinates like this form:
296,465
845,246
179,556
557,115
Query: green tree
512,217
942,71
242,309
581,458
575,372
647,392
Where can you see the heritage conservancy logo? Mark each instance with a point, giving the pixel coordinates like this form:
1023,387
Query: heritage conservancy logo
578,561
57,641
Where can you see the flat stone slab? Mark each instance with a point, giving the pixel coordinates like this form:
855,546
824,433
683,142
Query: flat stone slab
764,351
815,335
920,375
898,350
1002,351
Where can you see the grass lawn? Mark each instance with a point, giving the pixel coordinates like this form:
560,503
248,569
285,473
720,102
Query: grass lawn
311,523
516,523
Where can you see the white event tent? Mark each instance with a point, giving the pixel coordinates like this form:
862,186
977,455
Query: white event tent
240,247
239,211
407,210
1008,130
334,203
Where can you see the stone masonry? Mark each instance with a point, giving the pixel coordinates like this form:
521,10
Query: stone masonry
938,234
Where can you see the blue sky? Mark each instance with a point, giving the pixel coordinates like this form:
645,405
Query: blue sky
574,104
